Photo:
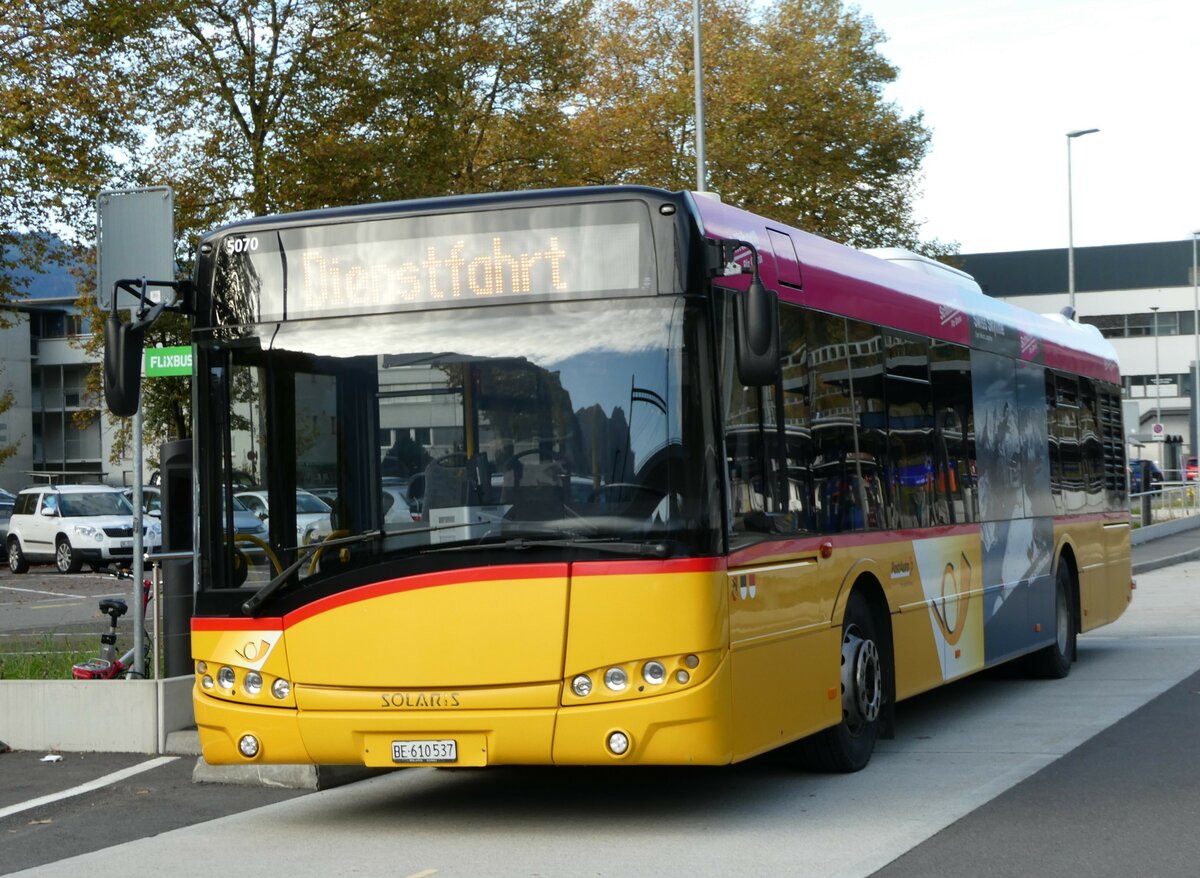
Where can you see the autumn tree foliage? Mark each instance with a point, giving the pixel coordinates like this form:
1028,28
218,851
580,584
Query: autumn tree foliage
797,124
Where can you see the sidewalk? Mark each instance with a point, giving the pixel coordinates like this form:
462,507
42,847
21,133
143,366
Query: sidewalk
1164,551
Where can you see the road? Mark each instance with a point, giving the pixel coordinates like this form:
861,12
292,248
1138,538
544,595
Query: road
994,775
44,599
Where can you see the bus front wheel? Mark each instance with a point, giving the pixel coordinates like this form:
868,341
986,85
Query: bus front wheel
848,746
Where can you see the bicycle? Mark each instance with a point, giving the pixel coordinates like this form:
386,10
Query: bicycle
107,666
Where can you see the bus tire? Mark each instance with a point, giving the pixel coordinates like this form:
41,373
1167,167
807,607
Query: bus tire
847,747
1053,662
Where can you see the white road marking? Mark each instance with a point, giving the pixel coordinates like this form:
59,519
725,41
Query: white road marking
53,594
88,787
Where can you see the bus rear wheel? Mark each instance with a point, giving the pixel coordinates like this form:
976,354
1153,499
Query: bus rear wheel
1053,662
848,746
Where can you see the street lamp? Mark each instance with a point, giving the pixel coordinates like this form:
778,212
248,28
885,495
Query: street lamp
1157,386
1196,365
1071,135
701,164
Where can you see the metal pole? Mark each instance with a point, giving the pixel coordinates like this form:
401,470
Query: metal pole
701,164
1070,236
139,596
1071,135
1195,365
1157,385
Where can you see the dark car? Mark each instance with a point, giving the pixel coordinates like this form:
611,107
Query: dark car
1135,476
6,507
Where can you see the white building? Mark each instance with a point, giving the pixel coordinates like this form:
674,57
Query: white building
46,371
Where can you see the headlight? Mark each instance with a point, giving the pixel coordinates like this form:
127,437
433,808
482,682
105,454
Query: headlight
87,531
582,685
616,679
225,677
253,683
281,689
654,673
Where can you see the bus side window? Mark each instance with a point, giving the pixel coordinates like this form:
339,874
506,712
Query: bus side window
957,500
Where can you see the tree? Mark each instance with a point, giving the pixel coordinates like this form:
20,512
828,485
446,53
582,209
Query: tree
796,122
64,119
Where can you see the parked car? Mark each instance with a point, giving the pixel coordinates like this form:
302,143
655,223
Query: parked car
7,498
1189,468
1135,476
72,525
244,521
313,515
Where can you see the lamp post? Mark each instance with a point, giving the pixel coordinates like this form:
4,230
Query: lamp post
1157,386
701,164
1071,135
1196,364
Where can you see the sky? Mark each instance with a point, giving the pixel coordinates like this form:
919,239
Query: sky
1001,82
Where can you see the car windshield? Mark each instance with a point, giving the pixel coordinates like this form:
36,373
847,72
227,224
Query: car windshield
99,503
310,503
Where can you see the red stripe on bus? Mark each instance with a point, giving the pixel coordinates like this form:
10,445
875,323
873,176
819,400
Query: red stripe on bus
225,623
811,544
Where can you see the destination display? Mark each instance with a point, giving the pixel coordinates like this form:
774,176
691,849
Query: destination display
374,266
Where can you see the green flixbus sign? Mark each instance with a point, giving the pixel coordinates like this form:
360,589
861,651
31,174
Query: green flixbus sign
162,362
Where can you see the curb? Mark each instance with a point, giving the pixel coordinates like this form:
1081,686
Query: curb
292,777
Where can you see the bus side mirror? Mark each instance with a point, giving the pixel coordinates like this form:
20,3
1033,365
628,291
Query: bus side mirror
758,336
122,365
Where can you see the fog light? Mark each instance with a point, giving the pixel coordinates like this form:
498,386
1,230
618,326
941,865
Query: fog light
206,681
682,676
248,744
616,679
654,673
582,685
281,689
618,743
253,683
225,677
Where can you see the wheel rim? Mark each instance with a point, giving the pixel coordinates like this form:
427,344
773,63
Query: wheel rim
63,556
14,556
862,688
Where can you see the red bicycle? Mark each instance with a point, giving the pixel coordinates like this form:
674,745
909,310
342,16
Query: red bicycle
107,666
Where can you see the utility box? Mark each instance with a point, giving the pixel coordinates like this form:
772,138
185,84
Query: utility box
178,592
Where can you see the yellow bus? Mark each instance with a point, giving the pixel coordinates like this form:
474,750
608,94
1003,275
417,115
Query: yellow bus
624,476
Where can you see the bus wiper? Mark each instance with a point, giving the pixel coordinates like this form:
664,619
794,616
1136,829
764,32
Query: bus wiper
617,547
260,597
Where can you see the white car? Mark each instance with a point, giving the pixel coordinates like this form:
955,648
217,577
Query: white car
313,515
72,525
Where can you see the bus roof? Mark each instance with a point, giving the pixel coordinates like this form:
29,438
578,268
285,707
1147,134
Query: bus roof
946,305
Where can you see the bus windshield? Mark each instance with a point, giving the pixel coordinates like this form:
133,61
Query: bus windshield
459,428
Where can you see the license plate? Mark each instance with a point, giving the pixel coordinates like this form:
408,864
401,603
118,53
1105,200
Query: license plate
425,751
126,544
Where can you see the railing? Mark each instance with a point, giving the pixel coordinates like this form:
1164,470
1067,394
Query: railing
1167,502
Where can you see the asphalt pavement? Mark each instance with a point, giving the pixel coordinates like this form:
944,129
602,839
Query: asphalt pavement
1124,801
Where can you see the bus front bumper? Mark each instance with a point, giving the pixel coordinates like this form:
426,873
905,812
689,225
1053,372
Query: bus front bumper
692,727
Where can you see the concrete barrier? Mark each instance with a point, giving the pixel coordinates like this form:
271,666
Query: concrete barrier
94,716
